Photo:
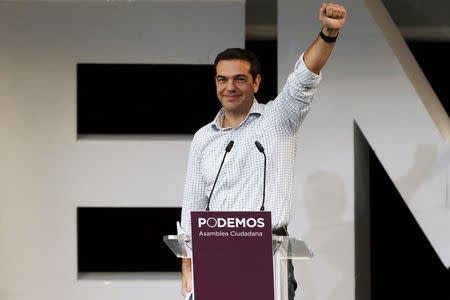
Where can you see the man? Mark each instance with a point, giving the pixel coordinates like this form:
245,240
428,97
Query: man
244,121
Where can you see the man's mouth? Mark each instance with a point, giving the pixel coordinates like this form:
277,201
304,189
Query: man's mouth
231,96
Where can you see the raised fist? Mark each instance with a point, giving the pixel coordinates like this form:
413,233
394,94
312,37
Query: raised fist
332,16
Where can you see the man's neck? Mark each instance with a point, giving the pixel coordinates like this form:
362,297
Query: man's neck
233,120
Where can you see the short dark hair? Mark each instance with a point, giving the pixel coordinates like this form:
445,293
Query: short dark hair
242,54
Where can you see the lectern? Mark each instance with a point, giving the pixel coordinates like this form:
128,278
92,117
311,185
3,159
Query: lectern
282,249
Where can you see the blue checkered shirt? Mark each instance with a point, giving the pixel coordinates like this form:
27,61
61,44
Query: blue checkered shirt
240,184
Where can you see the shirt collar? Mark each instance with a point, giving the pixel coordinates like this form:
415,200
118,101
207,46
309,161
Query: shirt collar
256,109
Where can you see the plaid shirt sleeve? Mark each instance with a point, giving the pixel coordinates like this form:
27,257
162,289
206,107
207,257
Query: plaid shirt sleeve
194,198
292,104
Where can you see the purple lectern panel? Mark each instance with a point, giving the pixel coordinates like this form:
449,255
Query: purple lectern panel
232,255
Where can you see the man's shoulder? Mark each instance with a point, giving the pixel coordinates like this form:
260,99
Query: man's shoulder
203,134
204,130
201,138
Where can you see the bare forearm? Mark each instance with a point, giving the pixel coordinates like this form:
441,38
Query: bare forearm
186,273
332,16
186,265
318,53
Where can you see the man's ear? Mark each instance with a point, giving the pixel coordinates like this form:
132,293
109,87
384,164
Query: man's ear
256,83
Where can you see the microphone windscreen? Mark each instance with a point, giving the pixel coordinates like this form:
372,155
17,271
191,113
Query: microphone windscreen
229,146
259,146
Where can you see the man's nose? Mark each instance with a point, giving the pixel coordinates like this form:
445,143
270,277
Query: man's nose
231,86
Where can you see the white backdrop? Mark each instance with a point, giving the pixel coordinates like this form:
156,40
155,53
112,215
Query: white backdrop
372,79
46,172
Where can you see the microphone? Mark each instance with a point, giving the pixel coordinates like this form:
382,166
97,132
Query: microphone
261,149
227,149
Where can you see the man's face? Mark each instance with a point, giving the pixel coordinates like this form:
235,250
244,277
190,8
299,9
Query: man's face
235,86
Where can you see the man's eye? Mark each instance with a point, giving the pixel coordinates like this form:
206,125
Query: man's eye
221,80
241,79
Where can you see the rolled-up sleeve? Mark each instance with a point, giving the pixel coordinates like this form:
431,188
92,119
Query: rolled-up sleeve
292,104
